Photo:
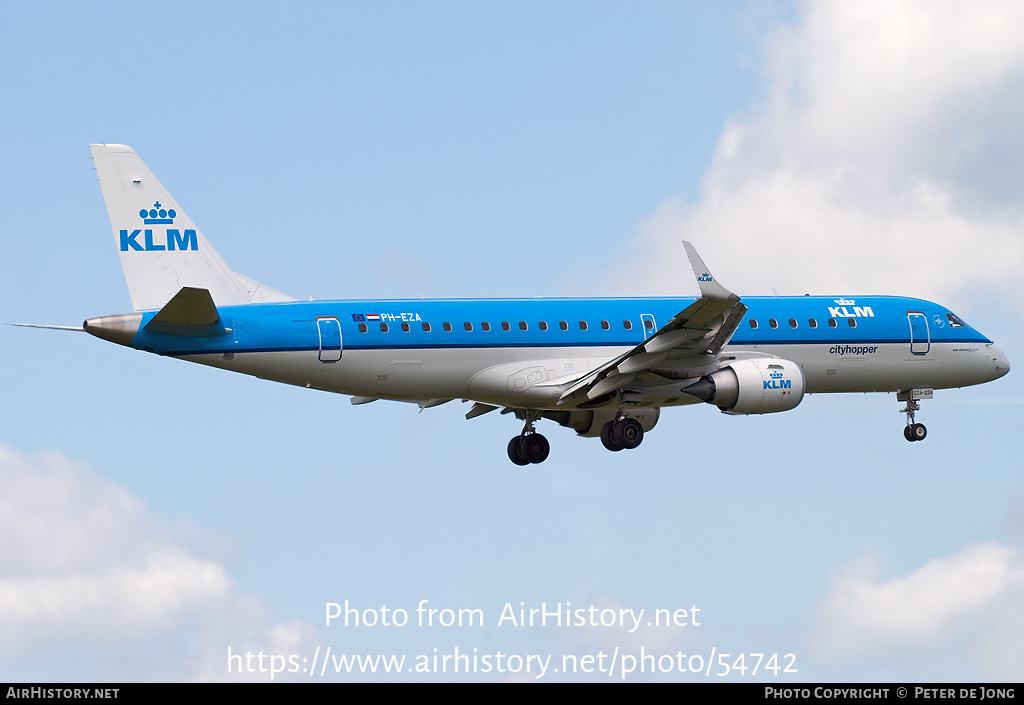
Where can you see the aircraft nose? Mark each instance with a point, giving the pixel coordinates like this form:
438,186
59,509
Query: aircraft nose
1001,362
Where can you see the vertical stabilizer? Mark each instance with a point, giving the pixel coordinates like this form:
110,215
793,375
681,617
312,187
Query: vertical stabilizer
161,249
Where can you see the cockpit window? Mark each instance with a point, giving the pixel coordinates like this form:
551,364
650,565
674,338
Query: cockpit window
954,321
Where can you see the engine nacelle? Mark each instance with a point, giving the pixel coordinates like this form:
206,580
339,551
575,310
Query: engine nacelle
761,385
590,423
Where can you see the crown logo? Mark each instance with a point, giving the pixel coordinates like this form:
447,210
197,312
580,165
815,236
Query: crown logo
776,375
157,215
845,302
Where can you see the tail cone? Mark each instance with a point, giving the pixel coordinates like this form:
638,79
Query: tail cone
120,329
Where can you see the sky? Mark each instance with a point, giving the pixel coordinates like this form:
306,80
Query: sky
159,520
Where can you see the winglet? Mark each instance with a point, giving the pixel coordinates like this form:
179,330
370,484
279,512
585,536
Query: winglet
708,286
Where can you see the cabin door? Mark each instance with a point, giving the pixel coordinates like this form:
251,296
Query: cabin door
920,336
330,339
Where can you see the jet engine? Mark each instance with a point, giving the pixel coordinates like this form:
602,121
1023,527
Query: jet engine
761,385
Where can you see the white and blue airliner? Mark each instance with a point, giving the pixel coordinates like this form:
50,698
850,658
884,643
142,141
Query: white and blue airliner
601,367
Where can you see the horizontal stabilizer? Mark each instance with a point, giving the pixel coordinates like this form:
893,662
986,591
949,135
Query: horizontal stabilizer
190,312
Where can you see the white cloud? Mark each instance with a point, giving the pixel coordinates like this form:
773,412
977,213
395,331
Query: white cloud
970,594
129,599
886,159
83,566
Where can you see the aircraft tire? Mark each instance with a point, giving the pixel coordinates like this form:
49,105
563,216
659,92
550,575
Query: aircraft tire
515,453
915,432
628,433
607,437
535,448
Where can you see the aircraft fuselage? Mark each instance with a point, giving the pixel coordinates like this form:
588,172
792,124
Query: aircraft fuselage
502,352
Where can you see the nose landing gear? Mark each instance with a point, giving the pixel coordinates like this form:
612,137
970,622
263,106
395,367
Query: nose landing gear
913,431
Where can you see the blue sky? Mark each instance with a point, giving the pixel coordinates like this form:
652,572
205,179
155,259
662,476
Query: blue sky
154,514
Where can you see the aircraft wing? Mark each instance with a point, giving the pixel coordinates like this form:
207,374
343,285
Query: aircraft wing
693,338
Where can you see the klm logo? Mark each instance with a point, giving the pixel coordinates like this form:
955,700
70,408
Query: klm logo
841,311
776,382
157,215
174,239
705,277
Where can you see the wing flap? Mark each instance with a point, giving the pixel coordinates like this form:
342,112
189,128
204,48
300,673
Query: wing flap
697,332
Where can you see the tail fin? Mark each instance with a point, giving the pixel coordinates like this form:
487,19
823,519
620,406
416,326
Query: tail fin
161,249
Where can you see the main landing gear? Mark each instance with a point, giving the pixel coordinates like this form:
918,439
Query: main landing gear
913,431
622,433
529,446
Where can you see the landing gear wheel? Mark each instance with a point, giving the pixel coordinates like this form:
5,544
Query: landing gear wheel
534,447
913,431
515,452
628,433
608,439
531,448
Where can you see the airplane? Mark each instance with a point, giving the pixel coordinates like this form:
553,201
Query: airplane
603,367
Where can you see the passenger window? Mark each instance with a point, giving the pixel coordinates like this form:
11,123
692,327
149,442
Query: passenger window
426,327
522,325
792,323
543,325
468,326
773,323
628,325
832,323
505,325
812,323
852,322
486,326
583,325
648,324
563,325
383,327
447,327
362,327
604,325
405,327
753,323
